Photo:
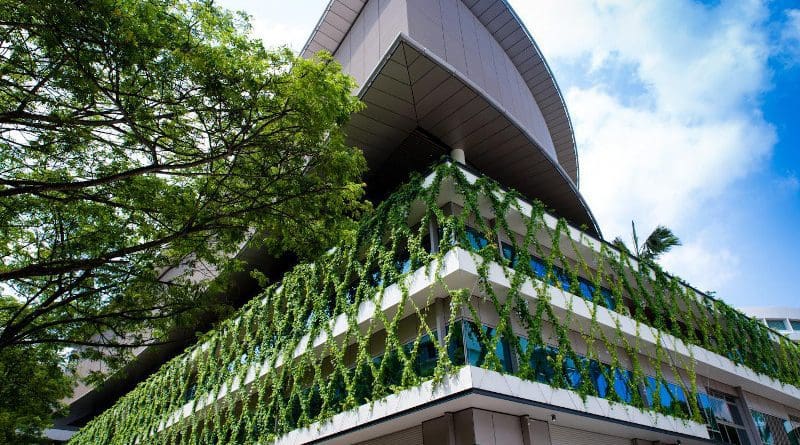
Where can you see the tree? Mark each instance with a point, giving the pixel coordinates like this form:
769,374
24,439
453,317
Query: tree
136,135
33,382
660,241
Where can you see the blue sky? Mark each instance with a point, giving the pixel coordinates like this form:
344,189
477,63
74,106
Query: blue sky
686,114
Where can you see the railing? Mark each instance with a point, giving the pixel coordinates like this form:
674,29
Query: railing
325,341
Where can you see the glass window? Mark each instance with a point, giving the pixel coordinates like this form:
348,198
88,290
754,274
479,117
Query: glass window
777,324
722,418
427,355
476,239
508,253
455,348
541,362
670,395
622,385
764,431
563,278
586,290
538,267
792,427
475,351
795,324
572,372
609,299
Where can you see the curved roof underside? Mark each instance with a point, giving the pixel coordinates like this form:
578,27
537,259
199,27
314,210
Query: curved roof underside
414,95
509,31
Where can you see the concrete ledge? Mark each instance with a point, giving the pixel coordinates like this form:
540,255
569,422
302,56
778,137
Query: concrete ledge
473,387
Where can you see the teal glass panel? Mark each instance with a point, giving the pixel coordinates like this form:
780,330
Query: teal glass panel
623,385
763,429
476,352
476,239
572,372
538,267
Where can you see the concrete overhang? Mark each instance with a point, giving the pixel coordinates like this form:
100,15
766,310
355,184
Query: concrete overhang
414,90
473,387
508,30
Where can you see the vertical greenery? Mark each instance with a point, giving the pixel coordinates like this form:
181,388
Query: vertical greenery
302,380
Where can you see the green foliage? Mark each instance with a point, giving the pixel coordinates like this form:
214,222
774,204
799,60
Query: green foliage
136,135
660,241
32,384
291,369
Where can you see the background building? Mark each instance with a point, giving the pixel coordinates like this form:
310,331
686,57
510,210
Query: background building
464,312
785,320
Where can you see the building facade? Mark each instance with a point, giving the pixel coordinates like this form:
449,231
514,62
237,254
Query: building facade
479,304
785,320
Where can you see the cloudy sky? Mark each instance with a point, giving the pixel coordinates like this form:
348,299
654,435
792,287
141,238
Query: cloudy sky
686,114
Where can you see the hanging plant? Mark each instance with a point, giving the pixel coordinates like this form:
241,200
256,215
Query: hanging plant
285,379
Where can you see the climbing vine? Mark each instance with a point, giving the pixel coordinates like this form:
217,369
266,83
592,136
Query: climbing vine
319,342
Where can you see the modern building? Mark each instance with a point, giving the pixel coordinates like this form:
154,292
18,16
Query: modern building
479,304
785,320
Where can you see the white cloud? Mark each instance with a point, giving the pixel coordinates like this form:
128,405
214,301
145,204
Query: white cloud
704,266
790,37
657,153
791,31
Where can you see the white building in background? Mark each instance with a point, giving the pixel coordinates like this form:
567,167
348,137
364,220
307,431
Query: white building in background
785,320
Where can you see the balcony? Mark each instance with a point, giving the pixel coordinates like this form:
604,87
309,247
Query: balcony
452,273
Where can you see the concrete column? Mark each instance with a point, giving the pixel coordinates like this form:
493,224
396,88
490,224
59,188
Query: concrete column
538,432
439,431
457,155
441,320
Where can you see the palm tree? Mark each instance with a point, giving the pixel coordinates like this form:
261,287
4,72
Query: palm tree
659,242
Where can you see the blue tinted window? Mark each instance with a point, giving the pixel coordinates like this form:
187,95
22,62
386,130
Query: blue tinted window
586,289
476,354
538,267
563,278
402,265
476,239
572,373
670,395
427,355
653,386
508,253
542,359
608,297
599,380
455,348
622,384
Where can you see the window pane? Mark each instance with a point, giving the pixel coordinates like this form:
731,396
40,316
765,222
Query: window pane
425,361
706,410
762,427
476,239
508,252
586,289
599,380
795,324
538,267
779,325
563,278
609,299
794,430
476,353
455,348
622,384
572,373
542,363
